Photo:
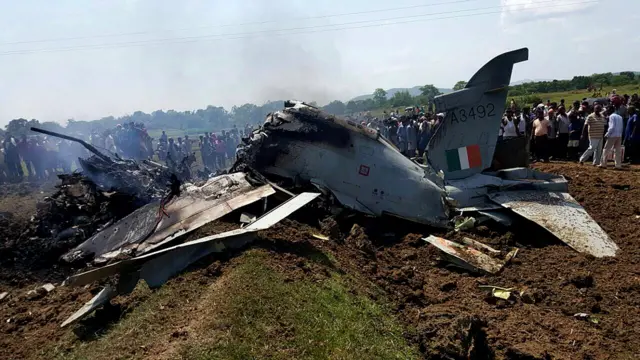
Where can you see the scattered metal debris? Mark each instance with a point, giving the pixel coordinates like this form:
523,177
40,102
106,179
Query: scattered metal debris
157,267
464,223
498,292
469,257
4,295
103,297
587,317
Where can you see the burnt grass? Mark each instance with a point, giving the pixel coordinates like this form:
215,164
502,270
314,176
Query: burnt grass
444,312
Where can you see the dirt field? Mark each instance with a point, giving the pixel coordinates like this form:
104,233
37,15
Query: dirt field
376,270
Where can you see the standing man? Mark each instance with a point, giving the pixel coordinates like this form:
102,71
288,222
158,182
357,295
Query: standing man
412,140
509,126
403,135
594,125
614,139
552,147
575,131
632,137
563,132
540,136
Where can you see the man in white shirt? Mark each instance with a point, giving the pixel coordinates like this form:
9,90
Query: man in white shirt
614,139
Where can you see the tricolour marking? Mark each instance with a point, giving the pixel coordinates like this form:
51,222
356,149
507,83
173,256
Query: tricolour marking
463,158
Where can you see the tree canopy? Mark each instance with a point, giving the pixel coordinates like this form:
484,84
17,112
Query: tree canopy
459,85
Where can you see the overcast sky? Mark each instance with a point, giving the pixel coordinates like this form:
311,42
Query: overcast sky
87,59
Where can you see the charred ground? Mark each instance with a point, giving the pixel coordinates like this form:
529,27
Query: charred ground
382,268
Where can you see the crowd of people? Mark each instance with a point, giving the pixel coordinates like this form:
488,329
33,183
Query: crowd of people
216,150
591,129
129,141
410,131
36,157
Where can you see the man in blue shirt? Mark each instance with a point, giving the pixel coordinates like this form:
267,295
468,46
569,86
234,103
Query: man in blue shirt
632,137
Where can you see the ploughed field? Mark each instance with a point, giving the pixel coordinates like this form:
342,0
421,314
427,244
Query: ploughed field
368,288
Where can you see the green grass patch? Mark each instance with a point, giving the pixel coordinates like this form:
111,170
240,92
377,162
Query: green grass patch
261,315
251,312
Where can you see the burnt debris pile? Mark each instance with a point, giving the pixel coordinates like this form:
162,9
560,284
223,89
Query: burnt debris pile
88,202
69,216
106,190
146,181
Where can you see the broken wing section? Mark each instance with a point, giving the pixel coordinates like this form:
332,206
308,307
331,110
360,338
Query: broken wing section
562,216
464,143
153,226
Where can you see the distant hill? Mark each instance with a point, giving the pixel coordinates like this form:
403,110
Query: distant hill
414,91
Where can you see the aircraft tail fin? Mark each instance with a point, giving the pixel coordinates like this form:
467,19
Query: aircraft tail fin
464,143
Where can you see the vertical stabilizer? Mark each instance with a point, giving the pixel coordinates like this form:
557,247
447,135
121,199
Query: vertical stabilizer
464,143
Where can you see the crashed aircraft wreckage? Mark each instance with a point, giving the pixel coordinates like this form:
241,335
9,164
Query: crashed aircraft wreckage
363,171
359,169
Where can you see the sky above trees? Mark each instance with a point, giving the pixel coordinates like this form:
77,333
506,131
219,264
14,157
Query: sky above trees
87,60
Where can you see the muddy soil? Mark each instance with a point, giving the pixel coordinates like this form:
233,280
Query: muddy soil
450,317
446,314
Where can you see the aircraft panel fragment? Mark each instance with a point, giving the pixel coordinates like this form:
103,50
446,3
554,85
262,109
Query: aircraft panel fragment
561,215
146,229
103,297
466,257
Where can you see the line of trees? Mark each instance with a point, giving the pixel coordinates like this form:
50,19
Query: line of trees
592,82
216,118
381,101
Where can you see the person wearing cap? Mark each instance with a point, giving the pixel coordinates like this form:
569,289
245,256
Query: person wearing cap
614,139
594,125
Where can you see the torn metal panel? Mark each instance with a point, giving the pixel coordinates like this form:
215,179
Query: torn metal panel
157,267
285,209
200,246
103,297
466,257
189,219
146,228
158,270
128,230
562,215
478,245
